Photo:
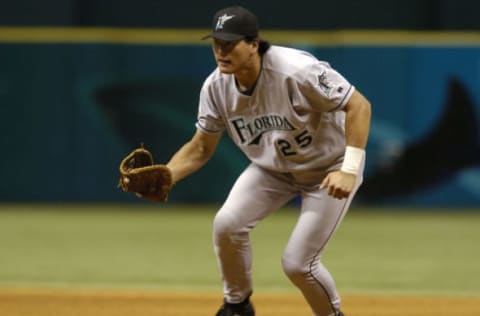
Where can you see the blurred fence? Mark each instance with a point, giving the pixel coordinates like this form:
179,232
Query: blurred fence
74,101
301,14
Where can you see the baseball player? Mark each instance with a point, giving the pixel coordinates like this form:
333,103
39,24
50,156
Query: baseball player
304,128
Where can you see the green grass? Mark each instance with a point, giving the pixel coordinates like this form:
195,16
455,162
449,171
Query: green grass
407,252
169,247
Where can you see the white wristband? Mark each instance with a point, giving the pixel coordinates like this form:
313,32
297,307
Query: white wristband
352,162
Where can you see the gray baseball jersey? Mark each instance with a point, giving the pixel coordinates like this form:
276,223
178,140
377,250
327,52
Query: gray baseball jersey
291,121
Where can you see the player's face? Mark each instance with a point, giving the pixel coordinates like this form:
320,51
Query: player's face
233,56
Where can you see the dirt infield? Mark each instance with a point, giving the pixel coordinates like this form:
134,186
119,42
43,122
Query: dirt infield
103,303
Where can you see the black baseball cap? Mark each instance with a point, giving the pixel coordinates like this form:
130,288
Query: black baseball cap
233,23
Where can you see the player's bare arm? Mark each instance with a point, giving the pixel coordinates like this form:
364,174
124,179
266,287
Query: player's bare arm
193,155
357,125
357,120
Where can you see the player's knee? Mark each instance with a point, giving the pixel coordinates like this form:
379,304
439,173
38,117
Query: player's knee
228,230
224,224
295,269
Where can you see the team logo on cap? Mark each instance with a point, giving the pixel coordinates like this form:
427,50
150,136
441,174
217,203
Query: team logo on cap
221,21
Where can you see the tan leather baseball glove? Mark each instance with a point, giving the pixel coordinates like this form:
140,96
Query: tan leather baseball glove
139,175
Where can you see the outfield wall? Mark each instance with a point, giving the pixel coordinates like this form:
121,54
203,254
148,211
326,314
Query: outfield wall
74,101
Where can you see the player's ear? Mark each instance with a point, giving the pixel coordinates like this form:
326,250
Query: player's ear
255,44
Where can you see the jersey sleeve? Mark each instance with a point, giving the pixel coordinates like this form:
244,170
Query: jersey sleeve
209,119
323,88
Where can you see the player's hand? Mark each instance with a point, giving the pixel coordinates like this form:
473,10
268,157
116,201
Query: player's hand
339,184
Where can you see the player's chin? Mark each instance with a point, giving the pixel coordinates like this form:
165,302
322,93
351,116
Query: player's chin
225,70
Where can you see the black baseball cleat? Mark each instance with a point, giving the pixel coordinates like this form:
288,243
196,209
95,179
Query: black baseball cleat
244,308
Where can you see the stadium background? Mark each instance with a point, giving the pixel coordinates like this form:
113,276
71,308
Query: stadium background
84,82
